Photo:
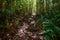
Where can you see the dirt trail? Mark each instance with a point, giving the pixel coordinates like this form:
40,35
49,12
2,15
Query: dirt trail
26,35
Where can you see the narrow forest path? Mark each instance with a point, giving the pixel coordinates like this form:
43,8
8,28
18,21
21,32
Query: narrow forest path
27,35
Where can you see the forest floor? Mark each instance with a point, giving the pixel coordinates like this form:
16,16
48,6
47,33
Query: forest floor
28,35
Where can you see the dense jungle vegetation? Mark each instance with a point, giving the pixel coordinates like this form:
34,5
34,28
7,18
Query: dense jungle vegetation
29,19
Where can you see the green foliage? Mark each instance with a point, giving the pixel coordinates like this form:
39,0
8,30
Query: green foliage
51,28
16,10
50,20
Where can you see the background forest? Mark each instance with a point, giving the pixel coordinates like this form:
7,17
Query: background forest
29,19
